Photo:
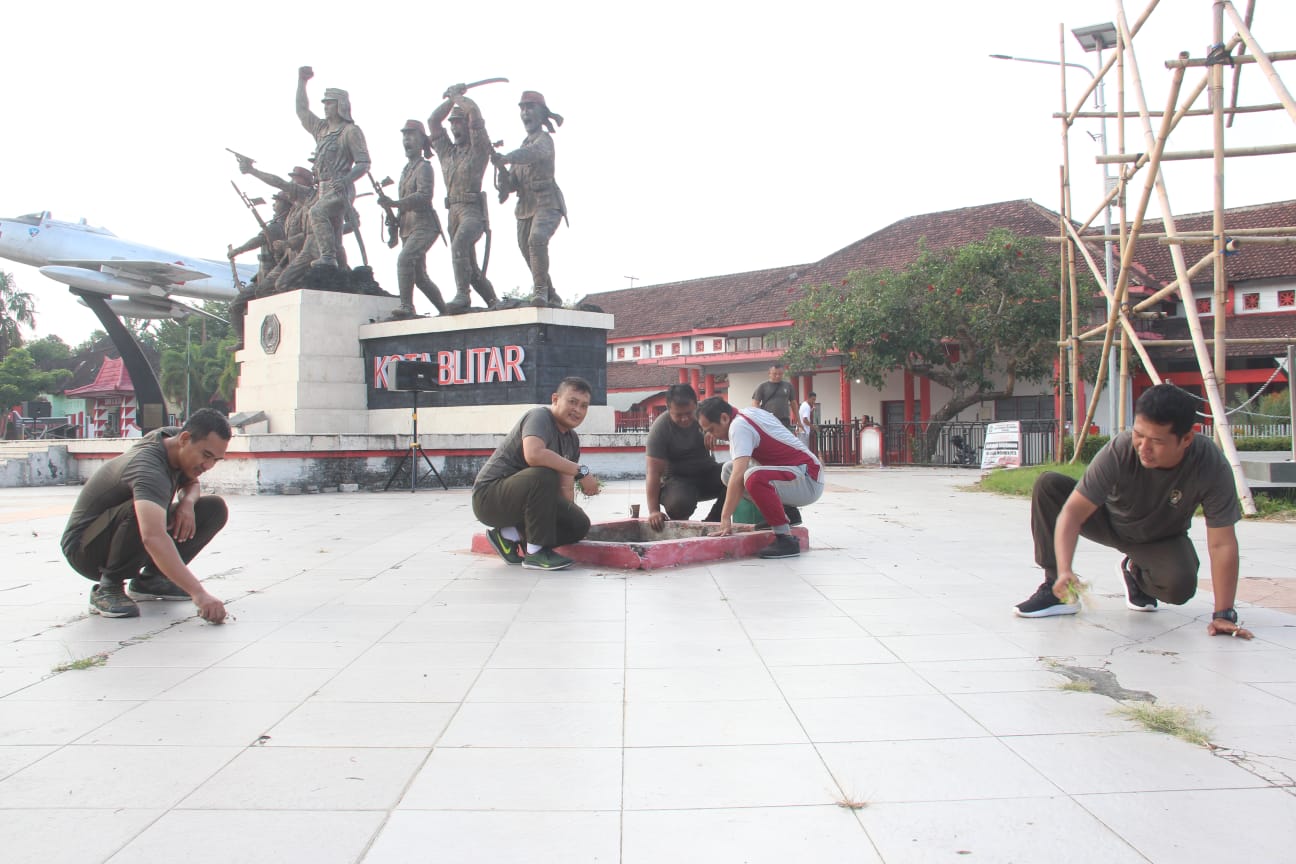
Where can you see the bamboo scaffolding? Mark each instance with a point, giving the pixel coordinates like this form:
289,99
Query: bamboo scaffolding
1186,155
1209,381
1262,60
1196,112
1234,61
1154,235
1068,252
1232,340
1217,215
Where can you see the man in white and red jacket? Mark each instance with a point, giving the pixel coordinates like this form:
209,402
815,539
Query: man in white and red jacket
769,465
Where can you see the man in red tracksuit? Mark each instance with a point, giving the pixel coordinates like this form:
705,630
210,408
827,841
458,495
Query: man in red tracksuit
769,465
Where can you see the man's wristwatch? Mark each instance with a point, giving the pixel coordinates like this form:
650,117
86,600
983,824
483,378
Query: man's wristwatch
582,472
1229,614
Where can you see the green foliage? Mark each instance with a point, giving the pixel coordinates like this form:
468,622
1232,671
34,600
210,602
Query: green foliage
91,342
1268,409
50,352
1250,443
197,356
20,380
1274,506
965,318
16,308
1088,450
1020,481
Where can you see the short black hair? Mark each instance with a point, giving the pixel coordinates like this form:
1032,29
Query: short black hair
577,383
1166,403
207,421
713,406
812,393
680,394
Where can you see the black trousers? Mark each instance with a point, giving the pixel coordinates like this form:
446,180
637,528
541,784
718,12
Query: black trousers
1166,569
530,500
111,547
680,494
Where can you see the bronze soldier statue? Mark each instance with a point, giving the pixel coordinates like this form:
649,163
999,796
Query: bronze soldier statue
463,163
271,242
419,225
341,158
300,190
540,205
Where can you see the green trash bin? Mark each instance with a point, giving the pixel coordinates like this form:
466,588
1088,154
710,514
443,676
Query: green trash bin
747,512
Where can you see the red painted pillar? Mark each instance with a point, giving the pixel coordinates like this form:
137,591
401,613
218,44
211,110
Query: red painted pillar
710,386
908,398
844,383
924,396
683,375
695,376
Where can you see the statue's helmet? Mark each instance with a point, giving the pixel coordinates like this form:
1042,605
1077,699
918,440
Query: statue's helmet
304,176
533,97
414,126
343,100
458,113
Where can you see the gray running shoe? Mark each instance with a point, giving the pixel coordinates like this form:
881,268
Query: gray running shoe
112,602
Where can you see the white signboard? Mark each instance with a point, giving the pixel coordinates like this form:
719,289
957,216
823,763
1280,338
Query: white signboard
1003,446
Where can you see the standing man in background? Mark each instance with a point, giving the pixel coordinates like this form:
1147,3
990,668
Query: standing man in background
775,395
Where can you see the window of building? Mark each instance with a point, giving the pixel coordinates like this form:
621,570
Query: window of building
620,353
675,348
1203,305
657,350
638,352
718,344
699,346
1024,408
1251,300
1287,298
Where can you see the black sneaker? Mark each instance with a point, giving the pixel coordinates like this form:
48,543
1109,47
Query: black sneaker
784,546
1043,604
112,602
509,550
1134,597
154,586
546,559
793,514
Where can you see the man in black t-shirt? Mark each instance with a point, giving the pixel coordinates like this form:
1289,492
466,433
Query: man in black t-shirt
128,524
681,470
1138,496
525,493
775,395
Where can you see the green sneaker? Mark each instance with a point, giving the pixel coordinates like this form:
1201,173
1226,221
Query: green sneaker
112,602
509,550
546,559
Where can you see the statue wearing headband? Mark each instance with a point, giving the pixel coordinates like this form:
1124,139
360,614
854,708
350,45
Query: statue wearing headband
419,225
341,158
540,205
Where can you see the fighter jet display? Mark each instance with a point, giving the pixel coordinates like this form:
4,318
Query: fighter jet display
142,281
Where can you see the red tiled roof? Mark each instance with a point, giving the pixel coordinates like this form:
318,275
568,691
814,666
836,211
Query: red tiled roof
112,378
1281,326
681,307
636,376
1251,261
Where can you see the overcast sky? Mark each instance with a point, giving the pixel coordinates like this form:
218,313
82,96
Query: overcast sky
701,138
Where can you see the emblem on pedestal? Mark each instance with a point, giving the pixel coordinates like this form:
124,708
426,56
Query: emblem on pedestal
270,334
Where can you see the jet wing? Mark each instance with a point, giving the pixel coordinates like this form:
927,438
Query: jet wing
153,272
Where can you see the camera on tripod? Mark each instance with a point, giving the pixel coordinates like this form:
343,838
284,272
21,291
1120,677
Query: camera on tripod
418,376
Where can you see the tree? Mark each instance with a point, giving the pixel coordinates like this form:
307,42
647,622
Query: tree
974,319
196,354
16,308
50,352
20,380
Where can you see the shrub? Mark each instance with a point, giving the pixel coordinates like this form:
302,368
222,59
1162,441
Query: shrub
1092,444
1273,443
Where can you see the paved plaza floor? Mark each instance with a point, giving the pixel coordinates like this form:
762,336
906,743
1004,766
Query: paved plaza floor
384,695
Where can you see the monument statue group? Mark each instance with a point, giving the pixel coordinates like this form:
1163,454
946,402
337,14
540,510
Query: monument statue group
301,245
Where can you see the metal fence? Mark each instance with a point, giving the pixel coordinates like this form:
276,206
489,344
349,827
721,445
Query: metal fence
959,443
1251,430
838,443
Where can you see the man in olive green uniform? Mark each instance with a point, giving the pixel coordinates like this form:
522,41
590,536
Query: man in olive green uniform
419,226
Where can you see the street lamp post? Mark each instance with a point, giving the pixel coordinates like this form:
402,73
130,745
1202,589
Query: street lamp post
1096,38
188,335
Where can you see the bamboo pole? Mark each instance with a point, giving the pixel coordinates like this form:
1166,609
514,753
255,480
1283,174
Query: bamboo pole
1239,60
1138,25
1064,350
1237,70
1196,112
1188,155
1127,251
1262,60
1209,384
1069,249
1232,340
1217,211
1156,235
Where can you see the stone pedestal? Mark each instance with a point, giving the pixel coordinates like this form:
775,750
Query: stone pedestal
315,363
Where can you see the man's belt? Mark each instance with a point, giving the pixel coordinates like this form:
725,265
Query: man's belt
474,198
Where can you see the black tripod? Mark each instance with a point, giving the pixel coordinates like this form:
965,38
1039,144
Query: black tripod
411,458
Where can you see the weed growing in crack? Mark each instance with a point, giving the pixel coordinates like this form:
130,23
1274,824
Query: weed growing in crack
1168,719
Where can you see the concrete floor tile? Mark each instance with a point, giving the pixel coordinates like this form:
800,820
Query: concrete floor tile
69,835
288,837
105,683
472,838
95,776
754,835
220,684
435,655
56,723
691,724
1056,830
402,684
683,684
535,724
1042,712
915,649
234,724
558,655
824,652
319,723
16,757
548,685
683,778
885,718
844,681
517,778
695,653
309,778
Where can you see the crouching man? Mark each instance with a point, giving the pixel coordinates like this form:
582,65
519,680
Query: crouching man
142,518
1138,496
769,465
525,493
680,468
